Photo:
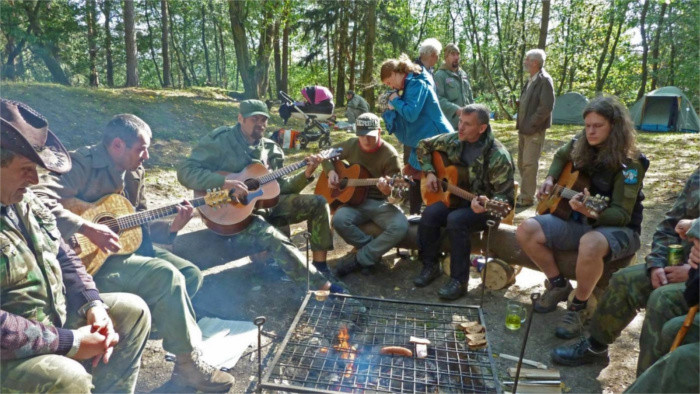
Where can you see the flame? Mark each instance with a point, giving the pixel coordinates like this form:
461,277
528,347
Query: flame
347,352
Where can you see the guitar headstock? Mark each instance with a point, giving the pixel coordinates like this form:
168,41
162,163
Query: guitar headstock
596,204
217,197
399,186
497,208
331,154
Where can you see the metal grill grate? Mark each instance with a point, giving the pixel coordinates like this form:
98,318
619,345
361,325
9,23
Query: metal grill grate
312,359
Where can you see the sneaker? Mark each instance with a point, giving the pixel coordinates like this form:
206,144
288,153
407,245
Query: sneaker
524,203
571,324
192,371
428,274
452,290
347,265
578,353
551,297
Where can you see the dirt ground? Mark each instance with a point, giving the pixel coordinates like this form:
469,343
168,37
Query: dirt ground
242,290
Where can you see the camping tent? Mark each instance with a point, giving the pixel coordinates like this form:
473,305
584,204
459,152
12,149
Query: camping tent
665,109
568,108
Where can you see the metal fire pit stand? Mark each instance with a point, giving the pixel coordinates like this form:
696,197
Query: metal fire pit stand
534,297
490,224
259,321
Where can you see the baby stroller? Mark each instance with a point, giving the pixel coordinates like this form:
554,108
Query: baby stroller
318,106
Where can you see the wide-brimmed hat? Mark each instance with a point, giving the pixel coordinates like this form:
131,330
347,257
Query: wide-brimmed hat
25,132
367,124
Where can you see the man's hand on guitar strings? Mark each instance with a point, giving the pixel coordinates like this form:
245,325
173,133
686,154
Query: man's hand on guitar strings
383,185
312,163
101,236
333,179
185,212
578,204
545,189
479,204
433,184
240,190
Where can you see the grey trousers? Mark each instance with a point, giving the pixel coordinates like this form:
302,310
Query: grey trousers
529,151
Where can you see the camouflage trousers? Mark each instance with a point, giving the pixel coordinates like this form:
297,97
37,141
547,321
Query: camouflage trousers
60,374
630,289
675,372
262,235
162,281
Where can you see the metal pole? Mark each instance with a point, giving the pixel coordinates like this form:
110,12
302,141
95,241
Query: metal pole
307,236
490,223
534,297
259,321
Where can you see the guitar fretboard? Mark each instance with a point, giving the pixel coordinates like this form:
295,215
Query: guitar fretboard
144,217
363,182
459,192
281,172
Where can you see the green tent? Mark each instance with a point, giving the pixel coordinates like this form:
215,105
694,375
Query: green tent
665,109
568,108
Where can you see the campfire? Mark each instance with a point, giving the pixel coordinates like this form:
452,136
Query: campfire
334,347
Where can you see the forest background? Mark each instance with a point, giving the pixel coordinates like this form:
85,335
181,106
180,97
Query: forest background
620,47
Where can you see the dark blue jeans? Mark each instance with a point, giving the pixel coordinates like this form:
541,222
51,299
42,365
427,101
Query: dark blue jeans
459,223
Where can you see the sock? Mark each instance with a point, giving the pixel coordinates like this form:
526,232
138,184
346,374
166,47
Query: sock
558,281
596,346
577,305
321,266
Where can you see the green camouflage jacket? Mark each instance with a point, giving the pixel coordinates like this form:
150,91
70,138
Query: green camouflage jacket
226,149
687,206
490,175
454,92
359,103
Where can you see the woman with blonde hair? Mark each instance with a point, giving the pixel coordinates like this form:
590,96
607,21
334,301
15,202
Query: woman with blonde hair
605,151
414,113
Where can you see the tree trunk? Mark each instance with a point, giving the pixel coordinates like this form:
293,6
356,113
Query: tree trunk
262,67
426,12
46,51
277,36
353,52
645,50
567,40
91,21
655,50
224,75
107,11
132,72
599,82
150,42
237,14
285,47
342,50
328,55
370,36
180,62
204,43
544,25
14,51
217,52
164,33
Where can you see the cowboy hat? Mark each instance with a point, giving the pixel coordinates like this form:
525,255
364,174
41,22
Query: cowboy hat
25,132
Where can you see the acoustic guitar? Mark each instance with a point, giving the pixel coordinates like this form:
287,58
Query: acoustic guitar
116,212
569,184
263,192
449,177
354,183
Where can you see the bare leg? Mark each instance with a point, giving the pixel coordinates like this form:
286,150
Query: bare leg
319,255
532,240
592,248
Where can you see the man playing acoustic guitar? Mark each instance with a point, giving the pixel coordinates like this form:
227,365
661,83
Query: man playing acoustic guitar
165,281
606,152
476,151
381,161
233,148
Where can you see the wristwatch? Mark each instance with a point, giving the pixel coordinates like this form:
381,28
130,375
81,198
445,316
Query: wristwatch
83,309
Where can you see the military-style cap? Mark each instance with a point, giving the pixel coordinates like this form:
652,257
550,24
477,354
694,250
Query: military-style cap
450,48
253,107
367,124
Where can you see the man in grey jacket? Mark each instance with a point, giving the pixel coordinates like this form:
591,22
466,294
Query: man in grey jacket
534,118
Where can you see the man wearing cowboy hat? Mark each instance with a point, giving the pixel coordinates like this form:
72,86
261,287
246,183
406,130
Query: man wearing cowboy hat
165,281
54,322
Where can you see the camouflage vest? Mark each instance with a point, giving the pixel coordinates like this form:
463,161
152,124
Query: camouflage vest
32,285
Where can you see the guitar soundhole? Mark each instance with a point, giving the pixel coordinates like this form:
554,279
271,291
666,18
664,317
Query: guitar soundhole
109,222
252,184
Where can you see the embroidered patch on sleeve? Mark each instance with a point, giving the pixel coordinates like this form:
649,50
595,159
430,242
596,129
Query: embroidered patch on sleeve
630,176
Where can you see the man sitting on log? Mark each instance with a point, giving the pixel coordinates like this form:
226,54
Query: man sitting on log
489,166
657,286
165,281
606,152
381,161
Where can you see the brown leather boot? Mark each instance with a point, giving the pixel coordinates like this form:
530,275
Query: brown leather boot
192,371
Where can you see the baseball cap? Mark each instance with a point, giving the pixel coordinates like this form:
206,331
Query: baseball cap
367,124
253,107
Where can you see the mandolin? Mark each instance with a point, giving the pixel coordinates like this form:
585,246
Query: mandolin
569,184
263,192
116,212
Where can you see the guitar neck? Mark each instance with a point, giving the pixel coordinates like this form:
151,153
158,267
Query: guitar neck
568,193
144,217
281,172
362,182
459,192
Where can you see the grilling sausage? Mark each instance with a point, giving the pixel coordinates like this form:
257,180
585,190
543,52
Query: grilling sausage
396,351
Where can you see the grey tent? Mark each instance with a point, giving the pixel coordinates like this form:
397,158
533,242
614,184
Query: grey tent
568,108
665,109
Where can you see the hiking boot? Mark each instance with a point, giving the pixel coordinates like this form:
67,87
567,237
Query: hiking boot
578,353
347,265
452,290
551,297
192,371
571,324
428,274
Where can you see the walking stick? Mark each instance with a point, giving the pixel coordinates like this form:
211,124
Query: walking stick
684,328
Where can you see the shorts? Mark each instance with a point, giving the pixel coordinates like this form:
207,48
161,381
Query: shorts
565,235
